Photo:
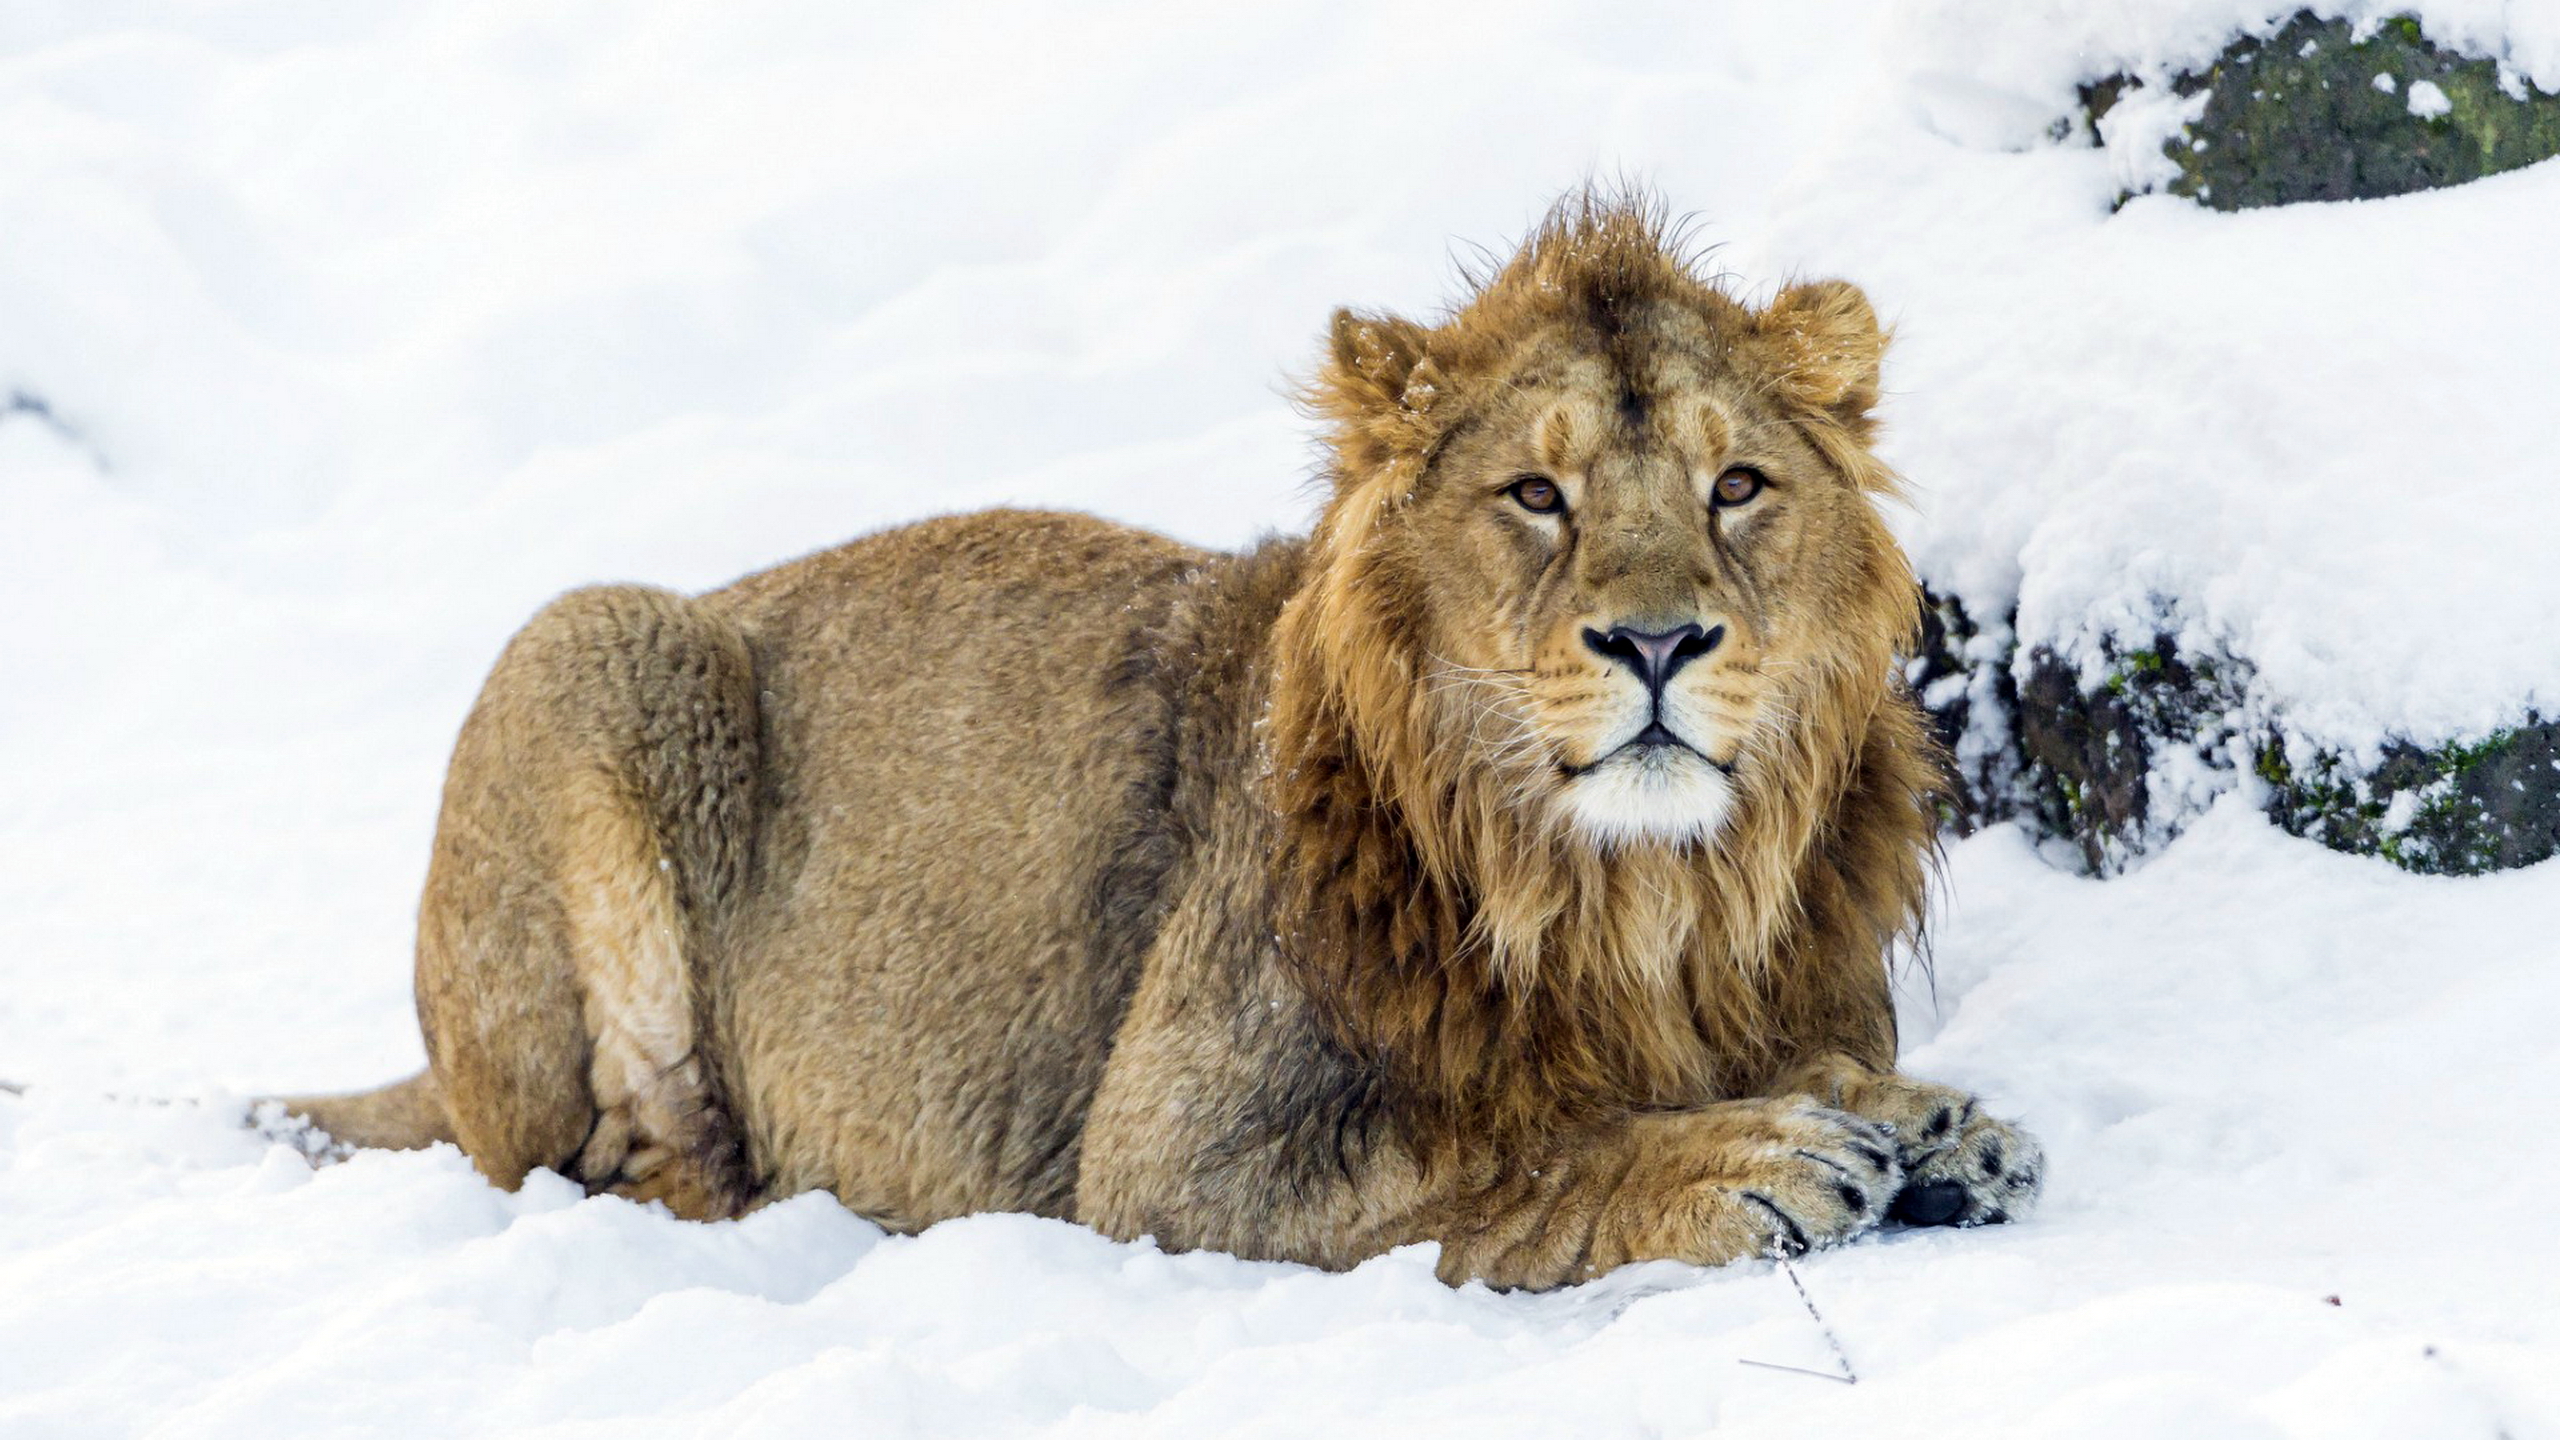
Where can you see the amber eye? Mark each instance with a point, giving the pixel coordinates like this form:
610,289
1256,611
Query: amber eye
1538,495
1738,485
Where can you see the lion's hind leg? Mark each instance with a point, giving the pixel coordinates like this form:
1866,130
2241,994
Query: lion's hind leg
595,831
659,1132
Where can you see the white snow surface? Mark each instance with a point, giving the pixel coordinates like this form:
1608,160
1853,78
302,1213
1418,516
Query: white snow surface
2267,1076
358,331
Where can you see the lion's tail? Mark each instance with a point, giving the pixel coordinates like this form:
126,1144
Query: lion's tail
403,1115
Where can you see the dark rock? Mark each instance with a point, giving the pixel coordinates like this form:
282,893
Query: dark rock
2462,809
2297,116
1962,679
2116,765
2084,760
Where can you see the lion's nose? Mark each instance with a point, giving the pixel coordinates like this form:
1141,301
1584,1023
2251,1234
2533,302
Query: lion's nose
1654,655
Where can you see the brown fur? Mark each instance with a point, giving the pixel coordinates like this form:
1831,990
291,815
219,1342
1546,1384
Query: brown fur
1261,901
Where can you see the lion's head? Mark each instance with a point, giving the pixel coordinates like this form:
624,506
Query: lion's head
1599,624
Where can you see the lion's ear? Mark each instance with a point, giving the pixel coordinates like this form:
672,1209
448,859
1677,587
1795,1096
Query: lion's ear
1379,365
1830,350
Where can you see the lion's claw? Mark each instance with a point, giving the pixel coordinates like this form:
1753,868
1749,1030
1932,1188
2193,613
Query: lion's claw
1831,1183
1960,1166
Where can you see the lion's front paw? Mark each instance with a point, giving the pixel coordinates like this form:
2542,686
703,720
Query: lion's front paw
1818,1178
1960,1165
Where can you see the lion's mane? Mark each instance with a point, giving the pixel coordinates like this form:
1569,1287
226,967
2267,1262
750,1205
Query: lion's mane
1516,973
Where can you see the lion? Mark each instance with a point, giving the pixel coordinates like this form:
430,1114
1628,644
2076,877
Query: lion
1511,863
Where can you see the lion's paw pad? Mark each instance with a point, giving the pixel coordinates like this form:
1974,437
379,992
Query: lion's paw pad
1963,1167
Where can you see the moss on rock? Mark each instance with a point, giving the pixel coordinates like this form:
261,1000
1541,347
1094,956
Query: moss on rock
2071,758
2089,753
2115,764
2322,110
2457,809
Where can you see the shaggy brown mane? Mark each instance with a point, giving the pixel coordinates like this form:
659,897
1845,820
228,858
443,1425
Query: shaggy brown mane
1499,963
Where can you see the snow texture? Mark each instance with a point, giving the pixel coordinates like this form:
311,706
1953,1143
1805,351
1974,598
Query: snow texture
334,339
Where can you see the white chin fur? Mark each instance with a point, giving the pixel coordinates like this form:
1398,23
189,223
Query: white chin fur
1668,798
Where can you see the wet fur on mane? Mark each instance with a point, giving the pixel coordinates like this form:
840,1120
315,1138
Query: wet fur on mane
1507,969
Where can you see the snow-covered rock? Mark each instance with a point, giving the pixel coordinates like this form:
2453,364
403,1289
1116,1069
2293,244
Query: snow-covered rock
2115,744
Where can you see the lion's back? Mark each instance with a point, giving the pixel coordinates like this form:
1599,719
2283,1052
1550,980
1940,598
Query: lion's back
967,742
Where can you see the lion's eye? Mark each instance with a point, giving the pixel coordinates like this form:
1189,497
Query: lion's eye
1538,495
1739,485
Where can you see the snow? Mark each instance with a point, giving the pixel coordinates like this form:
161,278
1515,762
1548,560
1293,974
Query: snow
334,339
2427,100
2238,1057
